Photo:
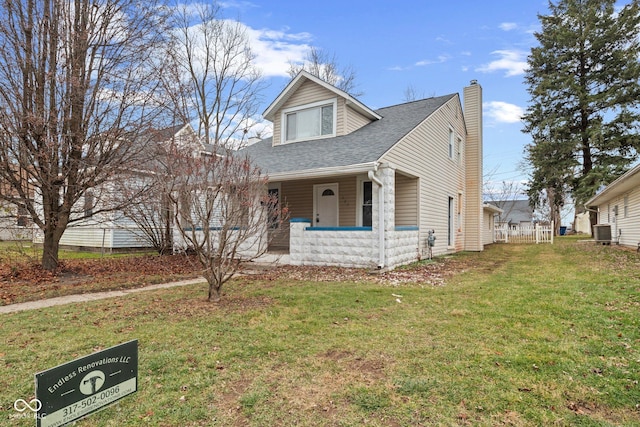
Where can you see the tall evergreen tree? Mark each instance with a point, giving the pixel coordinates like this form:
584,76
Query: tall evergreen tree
583,116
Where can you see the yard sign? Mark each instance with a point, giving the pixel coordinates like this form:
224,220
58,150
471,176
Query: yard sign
76,389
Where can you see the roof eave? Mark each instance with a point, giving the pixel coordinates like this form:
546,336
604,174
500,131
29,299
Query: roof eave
616,188
492,208
321,172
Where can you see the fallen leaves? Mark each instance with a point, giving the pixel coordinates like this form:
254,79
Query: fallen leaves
28,281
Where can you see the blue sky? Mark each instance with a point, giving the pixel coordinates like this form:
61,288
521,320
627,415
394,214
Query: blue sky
435,47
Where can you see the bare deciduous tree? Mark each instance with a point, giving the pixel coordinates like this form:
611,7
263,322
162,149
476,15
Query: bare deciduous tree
411,94
150,209
75,94
211,76
223,213
502,194
208,79
325,66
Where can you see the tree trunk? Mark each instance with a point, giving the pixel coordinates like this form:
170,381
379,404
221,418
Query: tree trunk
214,292
50,249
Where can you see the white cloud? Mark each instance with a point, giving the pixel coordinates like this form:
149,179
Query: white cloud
508,26
512,61
439,60
503,112
275,49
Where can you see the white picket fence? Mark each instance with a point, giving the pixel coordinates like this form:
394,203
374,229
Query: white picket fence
524,233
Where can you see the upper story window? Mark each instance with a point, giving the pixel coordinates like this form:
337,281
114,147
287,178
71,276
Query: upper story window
311,121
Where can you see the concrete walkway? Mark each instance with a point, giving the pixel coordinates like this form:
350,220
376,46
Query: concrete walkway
69,299
265,261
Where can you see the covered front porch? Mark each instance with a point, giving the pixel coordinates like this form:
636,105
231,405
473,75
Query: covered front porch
365,219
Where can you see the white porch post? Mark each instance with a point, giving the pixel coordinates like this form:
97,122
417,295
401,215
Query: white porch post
297,245
383,214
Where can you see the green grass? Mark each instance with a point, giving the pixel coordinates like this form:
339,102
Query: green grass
526,335
14,252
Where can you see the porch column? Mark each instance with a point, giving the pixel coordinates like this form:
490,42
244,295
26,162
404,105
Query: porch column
297,246
386,175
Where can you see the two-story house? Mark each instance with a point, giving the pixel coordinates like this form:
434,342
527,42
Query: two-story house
365,187
97,225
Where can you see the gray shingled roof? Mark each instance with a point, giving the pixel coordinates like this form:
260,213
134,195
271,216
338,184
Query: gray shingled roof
365,145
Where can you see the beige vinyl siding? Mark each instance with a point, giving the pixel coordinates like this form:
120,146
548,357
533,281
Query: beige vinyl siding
298,197
406,200
354,120
424,153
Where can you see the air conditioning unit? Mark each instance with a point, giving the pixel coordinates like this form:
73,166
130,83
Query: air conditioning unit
602,233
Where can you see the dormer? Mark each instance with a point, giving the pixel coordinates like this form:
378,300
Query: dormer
310,108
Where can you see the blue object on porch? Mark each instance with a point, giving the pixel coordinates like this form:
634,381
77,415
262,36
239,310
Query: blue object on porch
300,220
338,228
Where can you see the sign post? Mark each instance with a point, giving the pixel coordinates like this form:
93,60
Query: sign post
81,387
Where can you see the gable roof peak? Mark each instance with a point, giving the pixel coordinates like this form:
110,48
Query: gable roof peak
304,76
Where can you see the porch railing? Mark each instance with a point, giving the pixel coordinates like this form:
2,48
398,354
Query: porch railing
350,246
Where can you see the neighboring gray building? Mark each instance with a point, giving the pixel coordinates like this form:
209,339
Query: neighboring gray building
515,212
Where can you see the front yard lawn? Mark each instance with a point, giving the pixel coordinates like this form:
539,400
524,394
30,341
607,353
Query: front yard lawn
522,335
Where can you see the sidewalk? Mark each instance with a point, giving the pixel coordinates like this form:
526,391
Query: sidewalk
265,261
69,299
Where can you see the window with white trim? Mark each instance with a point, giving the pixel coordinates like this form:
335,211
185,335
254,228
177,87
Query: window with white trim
364,202
273,207
451,143
367,203
311,121
626,206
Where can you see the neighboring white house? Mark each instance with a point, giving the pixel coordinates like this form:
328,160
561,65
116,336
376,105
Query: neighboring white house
364,187
113,230
14,225
490,214
618,205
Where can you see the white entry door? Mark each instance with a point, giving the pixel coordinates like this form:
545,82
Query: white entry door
325,212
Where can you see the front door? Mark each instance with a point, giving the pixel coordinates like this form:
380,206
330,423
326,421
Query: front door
325,205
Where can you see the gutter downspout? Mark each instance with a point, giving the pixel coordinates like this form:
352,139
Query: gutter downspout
381,224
